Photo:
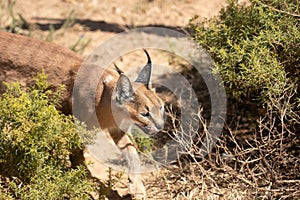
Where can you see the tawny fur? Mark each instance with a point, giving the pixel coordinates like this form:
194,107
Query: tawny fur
22,57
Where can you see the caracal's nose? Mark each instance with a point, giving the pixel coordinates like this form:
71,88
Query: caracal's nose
160,124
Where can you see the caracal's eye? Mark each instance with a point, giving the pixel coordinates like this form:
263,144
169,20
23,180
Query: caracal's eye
145,114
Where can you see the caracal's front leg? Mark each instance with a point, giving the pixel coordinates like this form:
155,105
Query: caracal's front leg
135,180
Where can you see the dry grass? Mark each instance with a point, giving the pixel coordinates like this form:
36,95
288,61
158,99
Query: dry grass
257,157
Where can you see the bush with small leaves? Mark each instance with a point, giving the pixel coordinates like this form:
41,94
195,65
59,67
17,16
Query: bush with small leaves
256,49
256,52
35,143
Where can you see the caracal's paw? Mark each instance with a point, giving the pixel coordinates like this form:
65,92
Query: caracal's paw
136,187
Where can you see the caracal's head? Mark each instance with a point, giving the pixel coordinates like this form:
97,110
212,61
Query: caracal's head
137,103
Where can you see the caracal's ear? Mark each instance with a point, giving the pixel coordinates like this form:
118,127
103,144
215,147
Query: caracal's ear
124,90
145,74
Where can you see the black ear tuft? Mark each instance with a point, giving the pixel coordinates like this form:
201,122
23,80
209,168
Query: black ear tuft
145,74
124,90
118,69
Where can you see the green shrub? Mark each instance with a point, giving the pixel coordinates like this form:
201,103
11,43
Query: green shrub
35,143
142,142
256,49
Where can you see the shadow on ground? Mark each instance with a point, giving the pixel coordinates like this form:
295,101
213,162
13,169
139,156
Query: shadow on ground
99,25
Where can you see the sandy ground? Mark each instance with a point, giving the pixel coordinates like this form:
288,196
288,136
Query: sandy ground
99,20
102,19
